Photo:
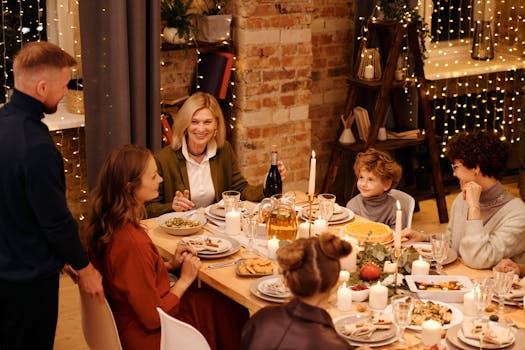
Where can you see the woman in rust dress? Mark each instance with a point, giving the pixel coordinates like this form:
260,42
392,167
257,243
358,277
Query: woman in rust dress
135,276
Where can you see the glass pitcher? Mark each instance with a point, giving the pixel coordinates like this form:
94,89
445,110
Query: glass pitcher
282,222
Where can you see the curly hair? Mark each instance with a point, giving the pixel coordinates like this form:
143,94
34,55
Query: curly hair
488,150
379,163
112,201
311,265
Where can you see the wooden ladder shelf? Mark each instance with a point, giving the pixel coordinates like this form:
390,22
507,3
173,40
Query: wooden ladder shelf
384,86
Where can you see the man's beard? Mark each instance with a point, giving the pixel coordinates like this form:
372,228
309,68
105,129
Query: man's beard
50,110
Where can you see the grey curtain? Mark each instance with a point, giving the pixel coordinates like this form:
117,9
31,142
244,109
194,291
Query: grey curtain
121,75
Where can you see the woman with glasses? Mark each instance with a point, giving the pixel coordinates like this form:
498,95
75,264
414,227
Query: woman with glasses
487,223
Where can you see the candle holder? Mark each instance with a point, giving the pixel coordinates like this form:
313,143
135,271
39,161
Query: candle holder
310,218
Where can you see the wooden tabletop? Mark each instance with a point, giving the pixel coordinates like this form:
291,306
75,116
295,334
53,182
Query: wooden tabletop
226,281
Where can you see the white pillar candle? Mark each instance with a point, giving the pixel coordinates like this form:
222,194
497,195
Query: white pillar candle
431,333
378,296
369,72
420,267
349,262
311,180
344,276
304,230
399,222
320,226
469,304
344,298
232,222
273,245
389,267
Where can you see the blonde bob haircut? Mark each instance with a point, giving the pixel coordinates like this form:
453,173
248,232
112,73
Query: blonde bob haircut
193,104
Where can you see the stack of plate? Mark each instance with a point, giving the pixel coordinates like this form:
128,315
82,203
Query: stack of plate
379,337
271,288
212,247
340,215
456,337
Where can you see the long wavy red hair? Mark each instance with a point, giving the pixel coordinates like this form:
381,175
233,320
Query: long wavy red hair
112,201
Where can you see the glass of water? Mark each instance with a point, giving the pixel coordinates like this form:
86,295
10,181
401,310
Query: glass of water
502,285
439,244
402,307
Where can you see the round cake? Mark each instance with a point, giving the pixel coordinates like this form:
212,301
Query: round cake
370,231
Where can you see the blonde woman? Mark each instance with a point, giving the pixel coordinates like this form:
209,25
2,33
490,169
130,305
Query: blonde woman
199,164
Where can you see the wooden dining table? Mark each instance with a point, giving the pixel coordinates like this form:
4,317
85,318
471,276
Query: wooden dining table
226,281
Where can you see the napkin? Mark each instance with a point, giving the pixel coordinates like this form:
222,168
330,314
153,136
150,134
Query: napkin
363,329
483,330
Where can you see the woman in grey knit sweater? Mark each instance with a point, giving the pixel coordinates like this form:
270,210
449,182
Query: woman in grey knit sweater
487,223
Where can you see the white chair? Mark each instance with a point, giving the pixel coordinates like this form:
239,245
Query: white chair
408,203
98,324
175,334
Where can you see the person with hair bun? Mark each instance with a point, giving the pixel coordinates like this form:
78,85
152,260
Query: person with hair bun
486,222
311,270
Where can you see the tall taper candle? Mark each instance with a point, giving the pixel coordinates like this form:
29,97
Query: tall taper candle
311,181
399,222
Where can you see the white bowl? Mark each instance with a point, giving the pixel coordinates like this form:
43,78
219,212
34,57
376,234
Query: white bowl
359,295
181,231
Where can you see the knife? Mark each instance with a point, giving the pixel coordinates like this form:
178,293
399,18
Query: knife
216,266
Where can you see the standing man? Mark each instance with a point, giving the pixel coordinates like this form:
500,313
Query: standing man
38,234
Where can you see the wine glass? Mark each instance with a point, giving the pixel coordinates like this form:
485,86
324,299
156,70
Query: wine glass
439,244
402,307
249,227
483,293
502,285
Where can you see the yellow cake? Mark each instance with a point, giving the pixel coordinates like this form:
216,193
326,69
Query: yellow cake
379,233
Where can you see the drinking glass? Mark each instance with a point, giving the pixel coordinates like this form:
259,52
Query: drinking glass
483,293
439,244
231,200
326,205
402,307
502,285
249,227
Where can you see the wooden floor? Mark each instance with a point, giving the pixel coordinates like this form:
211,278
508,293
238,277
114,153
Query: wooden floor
69,334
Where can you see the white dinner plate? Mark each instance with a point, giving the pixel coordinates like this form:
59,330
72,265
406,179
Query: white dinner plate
235,246
274,286
470,341
358,343
255,291
376,337
425,250
208,245
345,215
457,315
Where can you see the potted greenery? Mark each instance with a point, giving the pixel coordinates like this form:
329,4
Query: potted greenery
179,22
213,24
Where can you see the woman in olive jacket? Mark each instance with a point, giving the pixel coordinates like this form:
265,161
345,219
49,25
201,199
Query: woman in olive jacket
311,271
199,164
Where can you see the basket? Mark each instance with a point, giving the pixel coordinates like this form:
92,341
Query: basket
75,101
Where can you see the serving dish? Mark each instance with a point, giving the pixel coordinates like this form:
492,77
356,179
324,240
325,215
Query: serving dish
183,230
416,284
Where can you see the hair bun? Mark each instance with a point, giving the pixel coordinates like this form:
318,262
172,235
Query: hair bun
333,246
291,256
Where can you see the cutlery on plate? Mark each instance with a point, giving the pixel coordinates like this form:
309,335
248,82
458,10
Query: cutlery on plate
219,265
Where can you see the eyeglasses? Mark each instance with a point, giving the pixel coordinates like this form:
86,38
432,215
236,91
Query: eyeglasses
455,166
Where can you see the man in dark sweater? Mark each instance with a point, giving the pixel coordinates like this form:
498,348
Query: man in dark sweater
38,234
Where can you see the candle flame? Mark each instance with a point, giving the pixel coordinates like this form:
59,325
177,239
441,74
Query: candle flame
313,154
398,205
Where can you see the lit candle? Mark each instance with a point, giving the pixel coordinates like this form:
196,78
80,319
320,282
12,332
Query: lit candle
344,276
378,296
369,72
349,262
304,230
320,226
399,222
311,181
420,267
431,333
469,304
344,298
273,245
232,222
390,267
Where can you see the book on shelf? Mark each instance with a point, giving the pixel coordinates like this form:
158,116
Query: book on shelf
214,71
362,122
402,135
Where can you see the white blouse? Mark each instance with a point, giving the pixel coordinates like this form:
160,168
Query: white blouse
202,191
